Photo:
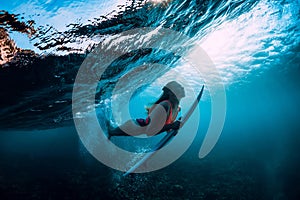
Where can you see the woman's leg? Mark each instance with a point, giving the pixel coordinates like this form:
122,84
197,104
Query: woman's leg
126,129
117,132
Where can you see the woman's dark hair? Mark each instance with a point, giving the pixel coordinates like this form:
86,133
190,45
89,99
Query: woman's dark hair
168,95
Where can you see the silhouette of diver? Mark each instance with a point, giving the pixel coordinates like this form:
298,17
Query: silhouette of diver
161,115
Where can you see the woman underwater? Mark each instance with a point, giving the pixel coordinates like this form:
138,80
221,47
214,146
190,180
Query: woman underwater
161,116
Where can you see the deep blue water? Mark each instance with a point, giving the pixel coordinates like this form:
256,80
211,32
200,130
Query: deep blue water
255,48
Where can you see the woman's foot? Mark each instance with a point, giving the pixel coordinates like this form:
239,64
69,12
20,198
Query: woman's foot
109,129
112,131
109,136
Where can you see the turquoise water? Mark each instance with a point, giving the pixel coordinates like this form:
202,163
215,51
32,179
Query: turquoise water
254,45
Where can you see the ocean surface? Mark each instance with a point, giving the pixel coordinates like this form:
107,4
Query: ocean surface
250,105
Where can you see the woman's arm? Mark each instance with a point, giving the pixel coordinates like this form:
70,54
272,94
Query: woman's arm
158,117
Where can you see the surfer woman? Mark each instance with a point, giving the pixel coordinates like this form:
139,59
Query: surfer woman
161,116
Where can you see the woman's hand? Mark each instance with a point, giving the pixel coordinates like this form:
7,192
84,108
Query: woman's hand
175,125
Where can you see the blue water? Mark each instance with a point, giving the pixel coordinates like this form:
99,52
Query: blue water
254,45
